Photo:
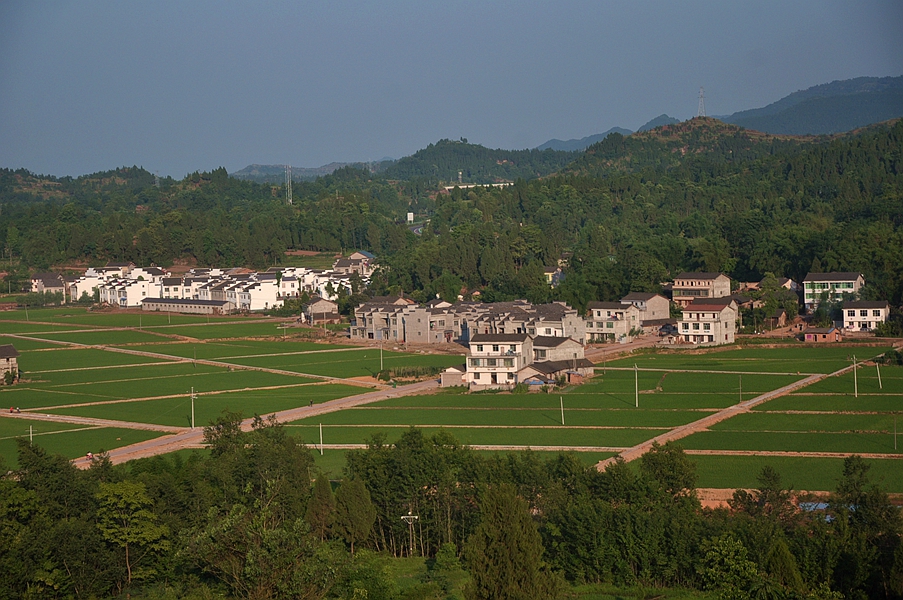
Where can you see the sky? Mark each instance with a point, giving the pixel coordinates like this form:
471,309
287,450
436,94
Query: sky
178,87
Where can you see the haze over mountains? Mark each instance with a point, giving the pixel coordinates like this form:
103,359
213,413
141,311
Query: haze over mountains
820,110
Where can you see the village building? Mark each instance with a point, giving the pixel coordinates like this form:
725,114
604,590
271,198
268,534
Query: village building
709,322
188,306
822,335
320,311
832,287
691,286
864,315
8,362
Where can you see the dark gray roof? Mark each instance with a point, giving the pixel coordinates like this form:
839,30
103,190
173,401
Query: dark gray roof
866,304
8,351
638,296
497,338
172,281
555,366
834,276
186,301
609,305
699,275
549,341
820,329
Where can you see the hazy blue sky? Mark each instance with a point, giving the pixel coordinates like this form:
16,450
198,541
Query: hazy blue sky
178,86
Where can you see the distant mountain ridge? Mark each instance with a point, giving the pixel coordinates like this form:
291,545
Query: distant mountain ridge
575,145
276,173
829,108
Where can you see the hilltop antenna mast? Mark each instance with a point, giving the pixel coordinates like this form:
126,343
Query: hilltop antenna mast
157,179
288,183
700,112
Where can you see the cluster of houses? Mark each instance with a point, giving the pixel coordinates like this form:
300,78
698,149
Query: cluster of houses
207,291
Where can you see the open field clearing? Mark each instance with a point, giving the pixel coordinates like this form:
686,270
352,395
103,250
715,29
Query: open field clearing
490,436
891,382
177,411
797,472
229,349
803,359
139,319
353,363
838,403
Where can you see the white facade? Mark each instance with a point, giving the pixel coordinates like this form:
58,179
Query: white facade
864,315
494,359
708,323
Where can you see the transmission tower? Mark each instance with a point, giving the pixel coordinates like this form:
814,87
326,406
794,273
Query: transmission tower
700,112
288,183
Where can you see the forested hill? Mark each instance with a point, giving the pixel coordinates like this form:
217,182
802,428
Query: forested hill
630,213
441,162
670,146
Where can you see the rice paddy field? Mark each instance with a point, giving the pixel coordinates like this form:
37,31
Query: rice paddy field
120,369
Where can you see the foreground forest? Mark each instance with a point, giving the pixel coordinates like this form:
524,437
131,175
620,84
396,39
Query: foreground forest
628,213
252,519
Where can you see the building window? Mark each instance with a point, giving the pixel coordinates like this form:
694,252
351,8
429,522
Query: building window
876,313
474,362
512,348
509,362
685,326
476,375
706,326
540,354
490,362
609,325
863,313
479,347
851,313
695,326
548,331
495,347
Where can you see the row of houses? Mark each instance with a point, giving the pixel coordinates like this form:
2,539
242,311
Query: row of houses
207,290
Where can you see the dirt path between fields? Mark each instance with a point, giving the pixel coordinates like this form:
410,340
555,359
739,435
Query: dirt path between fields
193,438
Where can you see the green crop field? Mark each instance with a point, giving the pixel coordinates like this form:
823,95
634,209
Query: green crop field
797,473
28,344
813,422
226,350
803,359
226,330
71,442
856,442
176,411
139,319
37,329
76,358
352,363
504,436
105,337
380,415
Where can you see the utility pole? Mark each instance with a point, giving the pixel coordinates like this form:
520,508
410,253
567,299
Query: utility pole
192,407
636,384
855,379
741,387
321,439
878,367
561,398
410,520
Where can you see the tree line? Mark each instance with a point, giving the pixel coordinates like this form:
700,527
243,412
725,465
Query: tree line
255,519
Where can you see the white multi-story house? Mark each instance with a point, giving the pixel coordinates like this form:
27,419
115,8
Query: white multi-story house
611,321
653,307
831,286
494,359
711,322
128,293
699,286
864,315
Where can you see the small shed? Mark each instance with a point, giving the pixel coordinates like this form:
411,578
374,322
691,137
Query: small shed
452,376
822,335
320,310
8,362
